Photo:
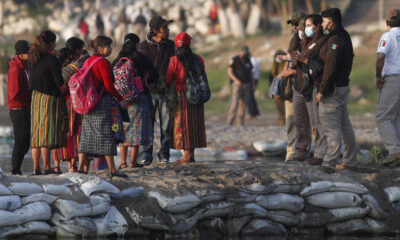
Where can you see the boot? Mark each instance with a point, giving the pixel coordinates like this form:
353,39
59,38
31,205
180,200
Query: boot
185,158
191,155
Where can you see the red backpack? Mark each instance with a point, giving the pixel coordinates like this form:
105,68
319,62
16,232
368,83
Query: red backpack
83,91
127,82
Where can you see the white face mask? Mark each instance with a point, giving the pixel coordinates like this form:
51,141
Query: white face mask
301,34
309,31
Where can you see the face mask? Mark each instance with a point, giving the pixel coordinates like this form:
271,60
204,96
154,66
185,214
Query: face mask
301,34
327,30
309,32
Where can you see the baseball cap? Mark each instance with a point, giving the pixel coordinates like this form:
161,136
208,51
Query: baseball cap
296,17
158,21
245,49
182,40
393,15
21,47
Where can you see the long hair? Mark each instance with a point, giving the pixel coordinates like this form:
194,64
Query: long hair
128,50
186,57
40,46
63,55
317,21
100,40
73,45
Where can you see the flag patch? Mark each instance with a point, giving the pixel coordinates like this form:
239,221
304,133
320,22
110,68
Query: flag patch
383,43
335,46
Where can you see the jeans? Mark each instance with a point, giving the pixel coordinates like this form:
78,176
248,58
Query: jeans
159,102
22,130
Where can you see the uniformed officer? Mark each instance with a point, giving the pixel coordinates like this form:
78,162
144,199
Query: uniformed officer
388,83
337,55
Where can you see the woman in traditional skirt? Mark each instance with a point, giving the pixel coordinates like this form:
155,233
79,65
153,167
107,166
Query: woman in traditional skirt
97,137
48,108
72,58
139,129
188,130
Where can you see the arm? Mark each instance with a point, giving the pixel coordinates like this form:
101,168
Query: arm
380,62
56,74
330,58
150,69
105,70
233,77
171,74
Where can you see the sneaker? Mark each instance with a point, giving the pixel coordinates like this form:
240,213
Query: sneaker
164,160
144,162
392,158
327,168
315,161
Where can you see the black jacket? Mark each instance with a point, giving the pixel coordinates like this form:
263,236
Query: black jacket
337,55
45,76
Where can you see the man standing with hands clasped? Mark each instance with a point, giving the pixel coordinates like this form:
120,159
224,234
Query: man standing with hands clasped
388,83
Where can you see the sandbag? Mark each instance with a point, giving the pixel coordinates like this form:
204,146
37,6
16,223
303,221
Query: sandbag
181,225
377,226
335,200
270,148
284,217
242,197
217,209
215,224
91,187
315,219
37,211
79,178
393,194
55,189
112,223
255,189
149,222
376,210
34,227
10,203
25,188
281,201
249,209
39,197
177,204
235,225
4,190
289,188
327,186
71,209
262,227
349,227
209,195
342,214
80,226
129,192
61,233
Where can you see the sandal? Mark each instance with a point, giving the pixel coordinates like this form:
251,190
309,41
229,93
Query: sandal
133,165
57,170
73,169
37,172
118,174
123,165
82,172
47,172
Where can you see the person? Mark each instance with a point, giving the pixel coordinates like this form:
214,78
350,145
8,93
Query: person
83,29
306,108
48,109
337,55
188,129
140,25
4,60
277,67
388,84
240,72
99,24
19,102
97,137
158,48
252,102
139,129
213,15
72,58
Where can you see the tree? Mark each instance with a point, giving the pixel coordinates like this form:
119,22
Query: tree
253,23
223,18
236,22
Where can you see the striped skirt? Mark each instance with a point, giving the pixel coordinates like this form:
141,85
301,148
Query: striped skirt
140,128
48,121
188,131
97,137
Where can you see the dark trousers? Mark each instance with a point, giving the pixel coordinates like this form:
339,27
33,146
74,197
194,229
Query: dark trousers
251,104
21,120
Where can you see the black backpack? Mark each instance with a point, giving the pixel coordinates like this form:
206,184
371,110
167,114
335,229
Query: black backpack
197,88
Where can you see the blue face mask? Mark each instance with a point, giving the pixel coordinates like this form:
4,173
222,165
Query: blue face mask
309,32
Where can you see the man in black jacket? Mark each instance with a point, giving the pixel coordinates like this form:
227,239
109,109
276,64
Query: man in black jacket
337,55
158,48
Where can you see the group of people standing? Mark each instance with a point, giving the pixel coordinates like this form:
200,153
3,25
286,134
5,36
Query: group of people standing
42,109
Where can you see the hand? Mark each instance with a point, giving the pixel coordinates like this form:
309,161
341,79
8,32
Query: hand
237,83
319,97
380,82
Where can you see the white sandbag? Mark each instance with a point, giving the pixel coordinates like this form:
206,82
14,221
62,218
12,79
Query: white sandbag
377,226
178,204
94,186
335,200
284,217
281,201
327,186
37,211
35,227
282,187
217,209
209,195
71,209
376,210
129,192
4,190
25,188
262,227
249,209
215,224
55,189
80,226
235,225
270,148
242,197
342,214
149,222
181,225
61,233
255,189
6,132
231,155
112,223
39,197
315,219
393,194
100,198
10,203
79,178
349,227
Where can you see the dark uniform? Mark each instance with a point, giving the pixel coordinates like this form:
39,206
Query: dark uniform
337,55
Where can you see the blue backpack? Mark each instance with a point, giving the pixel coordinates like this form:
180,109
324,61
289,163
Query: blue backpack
197,88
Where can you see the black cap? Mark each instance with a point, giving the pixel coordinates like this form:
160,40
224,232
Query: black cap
333,13
158,21
296,17
245,49
21,47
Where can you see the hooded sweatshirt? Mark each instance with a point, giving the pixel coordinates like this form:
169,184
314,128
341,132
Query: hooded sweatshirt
18,94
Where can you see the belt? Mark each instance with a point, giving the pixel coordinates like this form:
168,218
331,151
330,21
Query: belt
18,109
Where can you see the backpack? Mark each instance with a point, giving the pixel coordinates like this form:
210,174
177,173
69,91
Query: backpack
197,89
127,83
83,91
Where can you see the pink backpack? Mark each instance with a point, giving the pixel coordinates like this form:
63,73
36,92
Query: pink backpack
128,84
83,91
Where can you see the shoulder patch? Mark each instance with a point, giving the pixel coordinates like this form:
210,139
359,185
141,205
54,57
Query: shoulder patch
382,44
335,46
